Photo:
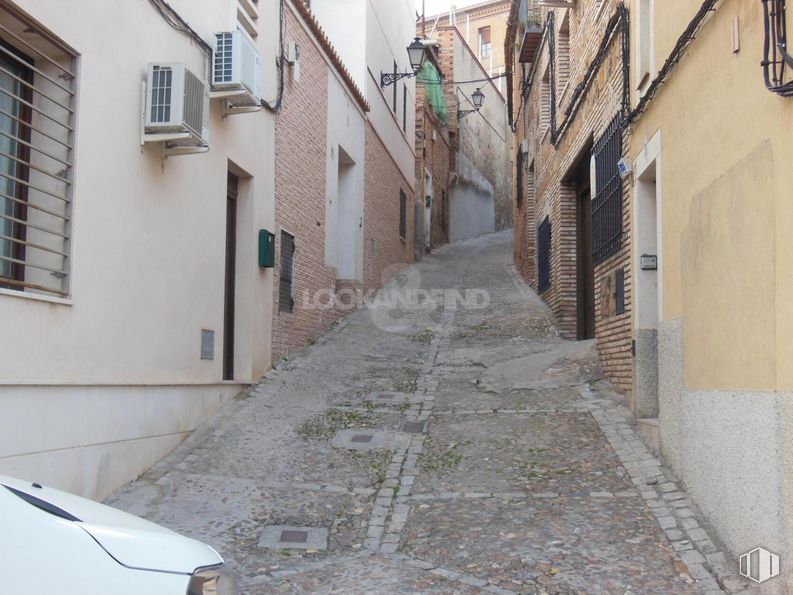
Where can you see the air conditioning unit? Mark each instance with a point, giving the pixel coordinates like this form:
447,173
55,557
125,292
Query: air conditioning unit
176,106
236,70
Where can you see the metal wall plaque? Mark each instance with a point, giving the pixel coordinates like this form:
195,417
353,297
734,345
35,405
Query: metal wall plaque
207,344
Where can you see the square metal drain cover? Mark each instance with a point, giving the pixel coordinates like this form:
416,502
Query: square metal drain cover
361,439
296,538
414,427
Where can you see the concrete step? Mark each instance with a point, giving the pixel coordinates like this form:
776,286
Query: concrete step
648,430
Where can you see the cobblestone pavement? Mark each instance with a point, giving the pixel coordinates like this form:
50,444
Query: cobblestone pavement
444,450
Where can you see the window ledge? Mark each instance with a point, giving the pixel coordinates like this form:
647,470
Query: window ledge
37,297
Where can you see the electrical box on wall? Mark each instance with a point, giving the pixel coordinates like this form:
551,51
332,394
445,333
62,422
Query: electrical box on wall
266,249
625,169
649,262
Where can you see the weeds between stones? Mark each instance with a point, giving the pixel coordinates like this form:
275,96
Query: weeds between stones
327,424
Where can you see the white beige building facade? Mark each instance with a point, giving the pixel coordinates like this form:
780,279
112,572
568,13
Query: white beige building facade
132,302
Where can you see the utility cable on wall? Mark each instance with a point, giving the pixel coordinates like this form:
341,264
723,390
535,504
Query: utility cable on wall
275,107
173,19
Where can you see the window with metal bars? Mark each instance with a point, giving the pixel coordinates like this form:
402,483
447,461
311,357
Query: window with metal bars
286,301
607,201
544,256
37,96
403,215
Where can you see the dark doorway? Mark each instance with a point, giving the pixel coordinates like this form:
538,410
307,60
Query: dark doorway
232,192
585,269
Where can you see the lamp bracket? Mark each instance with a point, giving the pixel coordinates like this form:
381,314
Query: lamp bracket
464,112
389,78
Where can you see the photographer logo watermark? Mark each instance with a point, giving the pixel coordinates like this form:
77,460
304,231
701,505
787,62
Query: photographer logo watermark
403,305
759,565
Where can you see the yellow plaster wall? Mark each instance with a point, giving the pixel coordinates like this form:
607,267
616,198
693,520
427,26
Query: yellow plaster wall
727,200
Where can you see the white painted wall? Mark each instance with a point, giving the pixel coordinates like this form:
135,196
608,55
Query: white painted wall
370,35
472,212
483,160
344,234
112,377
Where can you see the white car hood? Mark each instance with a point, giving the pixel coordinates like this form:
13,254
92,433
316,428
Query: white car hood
130,540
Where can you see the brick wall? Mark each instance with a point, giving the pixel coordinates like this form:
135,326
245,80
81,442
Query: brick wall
432,154
300,179
555,196
495,16
382,182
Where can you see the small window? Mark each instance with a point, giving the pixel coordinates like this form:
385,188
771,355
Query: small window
286,301
519,178
403,215
485,48
404,108
37,103
620,291
544,256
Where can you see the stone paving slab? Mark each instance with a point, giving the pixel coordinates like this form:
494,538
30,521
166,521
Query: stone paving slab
524,474
560,545
564,453
465,396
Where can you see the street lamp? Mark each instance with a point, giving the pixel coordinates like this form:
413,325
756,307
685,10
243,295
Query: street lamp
477,99
416,55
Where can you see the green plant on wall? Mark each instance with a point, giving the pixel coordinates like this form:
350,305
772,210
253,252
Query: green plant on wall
429,76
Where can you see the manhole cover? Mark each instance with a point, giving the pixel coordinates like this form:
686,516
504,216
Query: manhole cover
371,440
294,536
413,427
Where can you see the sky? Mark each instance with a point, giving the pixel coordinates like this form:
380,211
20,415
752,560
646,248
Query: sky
436,6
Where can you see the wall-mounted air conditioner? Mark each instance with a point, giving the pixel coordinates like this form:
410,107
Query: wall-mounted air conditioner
176,107
236,70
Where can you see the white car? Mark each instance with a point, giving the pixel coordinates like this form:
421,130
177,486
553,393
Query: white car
54,542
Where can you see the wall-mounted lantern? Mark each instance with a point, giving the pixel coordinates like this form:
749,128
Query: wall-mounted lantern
477,99
416,55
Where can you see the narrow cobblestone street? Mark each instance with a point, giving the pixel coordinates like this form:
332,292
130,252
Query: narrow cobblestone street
451,451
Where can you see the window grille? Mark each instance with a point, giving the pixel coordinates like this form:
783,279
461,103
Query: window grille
544,256
286,301
403,215
37,103
607,201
